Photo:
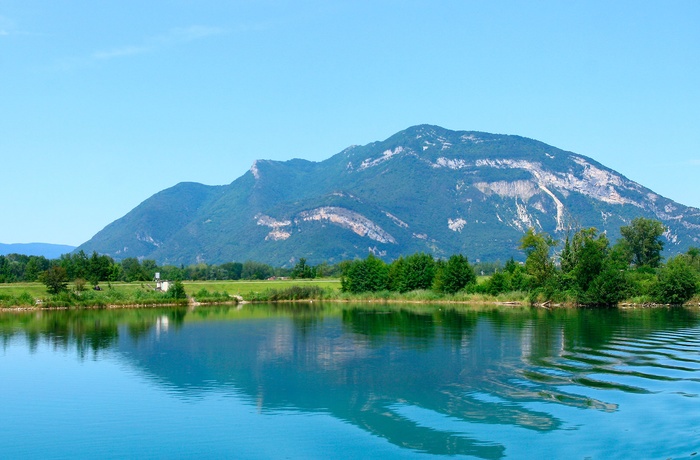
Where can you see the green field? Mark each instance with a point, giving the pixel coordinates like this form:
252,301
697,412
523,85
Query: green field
12,294
142,293
245,288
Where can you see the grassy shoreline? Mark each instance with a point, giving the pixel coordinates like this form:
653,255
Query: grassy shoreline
33,296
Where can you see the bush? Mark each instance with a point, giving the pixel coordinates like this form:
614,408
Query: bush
177,291
203,295
498,283
291,293
25,299
676,282
608,288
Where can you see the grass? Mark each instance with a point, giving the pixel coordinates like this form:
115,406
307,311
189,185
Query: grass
142,293
293,293
246,288
426,296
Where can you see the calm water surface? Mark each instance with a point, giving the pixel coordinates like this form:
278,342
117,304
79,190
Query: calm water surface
320,381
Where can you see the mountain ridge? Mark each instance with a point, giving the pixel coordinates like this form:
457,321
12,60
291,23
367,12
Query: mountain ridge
48,250
425,188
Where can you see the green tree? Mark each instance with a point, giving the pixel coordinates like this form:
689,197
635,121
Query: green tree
256,271
233,270
35,266
584,258
676,282
643,240
79,284
609,287
116,273
177,291
99,268
133,270
693,258
498,283
416,271
511,266
396,271
55,279
537,247
149,268
454,275
303,270
368,275
76,265
419,272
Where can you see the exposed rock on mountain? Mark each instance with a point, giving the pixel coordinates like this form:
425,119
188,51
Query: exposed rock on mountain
423,189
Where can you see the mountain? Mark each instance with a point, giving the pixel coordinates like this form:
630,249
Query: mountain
50,251
423,189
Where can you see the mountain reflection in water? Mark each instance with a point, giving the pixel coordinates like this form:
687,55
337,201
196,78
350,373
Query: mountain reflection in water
415,376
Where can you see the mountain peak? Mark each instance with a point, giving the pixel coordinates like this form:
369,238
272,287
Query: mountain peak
425,188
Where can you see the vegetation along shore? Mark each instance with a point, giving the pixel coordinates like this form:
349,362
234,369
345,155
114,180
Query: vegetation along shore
584,269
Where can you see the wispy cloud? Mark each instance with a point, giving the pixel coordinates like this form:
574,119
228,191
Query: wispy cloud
6,27
171,38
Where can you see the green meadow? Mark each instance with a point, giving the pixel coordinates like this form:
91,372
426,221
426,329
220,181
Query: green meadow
121,293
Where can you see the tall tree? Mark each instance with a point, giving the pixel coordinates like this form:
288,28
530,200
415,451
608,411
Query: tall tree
99,268
454,275
537,247
643,239
414,272
133,270
584,257
368,275
256,271
303,270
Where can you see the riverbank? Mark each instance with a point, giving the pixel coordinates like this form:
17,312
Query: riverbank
32,296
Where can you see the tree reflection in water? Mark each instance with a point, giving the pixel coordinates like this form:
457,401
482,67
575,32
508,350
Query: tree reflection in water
377,368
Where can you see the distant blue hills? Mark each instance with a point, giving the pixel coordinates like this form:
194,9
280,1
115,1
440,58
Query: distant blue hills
50,251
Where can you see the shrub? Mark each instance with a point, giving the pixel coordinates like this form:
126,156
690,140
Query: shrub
291,293
498,283
676,282
177,291
608,288
25,298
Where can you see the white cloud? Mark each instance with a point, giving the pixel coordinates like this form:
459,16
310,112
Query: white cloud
171,38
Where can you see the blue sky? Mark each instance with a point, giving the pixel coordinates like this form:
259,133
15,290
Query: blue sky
103,104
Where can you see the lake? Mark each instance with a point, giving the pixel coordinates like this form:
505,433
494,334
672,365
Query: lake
350,381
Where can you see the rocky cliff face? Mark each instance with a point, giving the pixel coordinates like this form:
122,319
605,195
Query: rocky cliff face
423,189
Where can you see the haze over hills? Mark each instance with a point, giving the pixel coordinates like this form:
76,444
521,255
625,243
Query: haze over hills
48,250
423,189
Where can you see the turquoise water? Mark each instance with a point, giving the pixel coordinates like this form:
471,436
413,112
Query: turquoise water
350,382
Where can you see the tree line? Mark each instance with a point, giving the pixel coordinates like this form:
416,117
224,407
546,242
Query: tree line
588,270
96,268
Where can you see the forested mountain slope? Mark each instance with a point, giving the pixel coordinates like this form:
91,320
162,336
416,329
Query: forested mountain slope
423,189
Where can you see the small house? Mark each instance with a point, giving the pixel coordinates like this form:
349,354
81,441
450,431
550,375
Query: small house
162,285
